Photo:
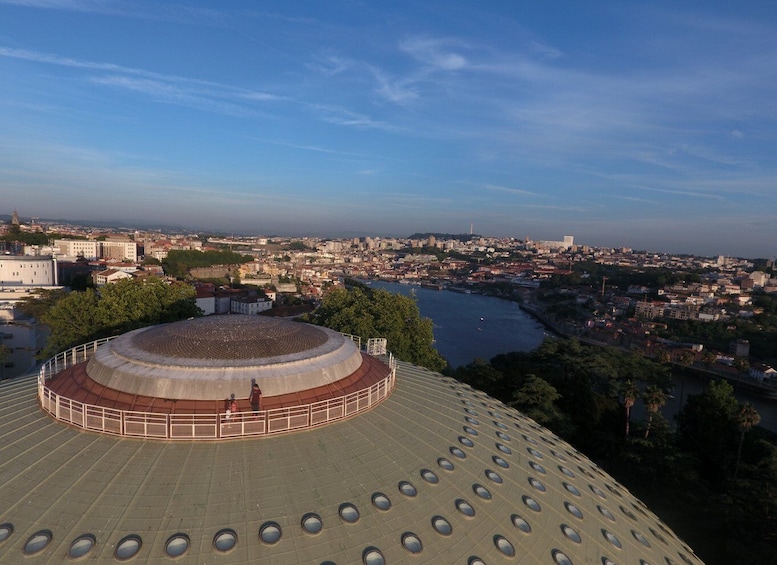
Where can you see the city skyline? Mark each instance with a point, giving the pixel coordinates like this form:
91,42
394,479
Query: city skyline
644,126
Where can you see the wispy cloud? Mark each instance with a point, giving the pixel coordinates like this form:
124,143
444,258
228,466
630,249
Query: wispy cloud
498,188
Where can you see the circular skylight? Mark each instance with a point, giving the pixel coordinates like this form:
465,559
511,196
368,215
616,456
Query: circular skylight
381,501
640,538
612,538
537,467
520,523
465,507
571,488
176,545
466,441
270,533
504,546
481,491
494,476
225,540
571,533
537,484
128,547
574,510
37,542
348,512
445,464
456,452
407,488
412,542
5,531
531,503
311,523
606,513
373,556
442,526
81,546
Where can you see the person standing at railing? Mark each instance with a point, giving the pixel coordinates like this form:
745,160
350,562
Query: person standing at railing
255,399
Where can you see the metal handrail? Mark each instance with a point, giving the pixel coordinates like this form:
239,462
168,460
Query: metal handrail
131,423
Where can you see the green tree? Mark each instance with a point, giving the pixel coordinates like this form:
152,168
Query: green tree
707,427
371,313
654,398
536,398
747,417
630,393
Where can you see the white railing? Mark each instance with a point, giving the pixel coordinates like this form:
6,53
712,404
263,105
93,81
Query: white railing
130,423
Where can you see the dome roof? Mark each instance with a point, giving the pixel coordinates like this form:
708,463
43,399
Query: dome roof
217,356
436,473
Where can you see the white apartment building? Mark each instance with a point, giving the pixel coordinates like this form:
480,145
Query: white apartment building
93,250
24,270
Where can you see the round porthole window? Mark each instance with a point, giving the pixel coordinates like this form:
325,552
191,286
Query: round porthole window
225,540
466,441
558,455
465,508
572,489
37,542
531,503
470,431
456,452
574,510
176,545
442,526
504,546
381,501
598,492
482,491
5,531
412,542
348,512
475,560
407,489
571,533
503,448
534,452
128,547
472,421
561,558
311,523
612,538
445,464
501,462
373,556
640,538
500,425
81,546
521,524
537,484
628,513
270,533
606,513
566,471
531,440
471,412
503,436
494,476
537,467
429,477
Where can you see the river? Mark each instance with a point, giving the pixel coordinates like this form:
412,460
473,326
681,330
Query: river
467,326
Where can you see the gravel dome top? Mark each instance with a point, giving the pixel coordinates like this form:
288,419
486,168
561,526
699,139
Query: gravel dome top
229,337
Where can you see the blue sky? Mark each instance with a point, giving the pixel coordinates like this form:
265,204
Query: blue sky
644,124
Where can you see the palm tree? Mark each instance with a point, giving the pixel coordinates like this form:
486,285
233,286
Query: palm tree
654,398
747,418
630,392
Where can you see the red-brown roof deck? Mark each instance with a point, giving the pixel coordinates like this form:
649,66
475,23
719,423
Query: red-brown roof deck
74,383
